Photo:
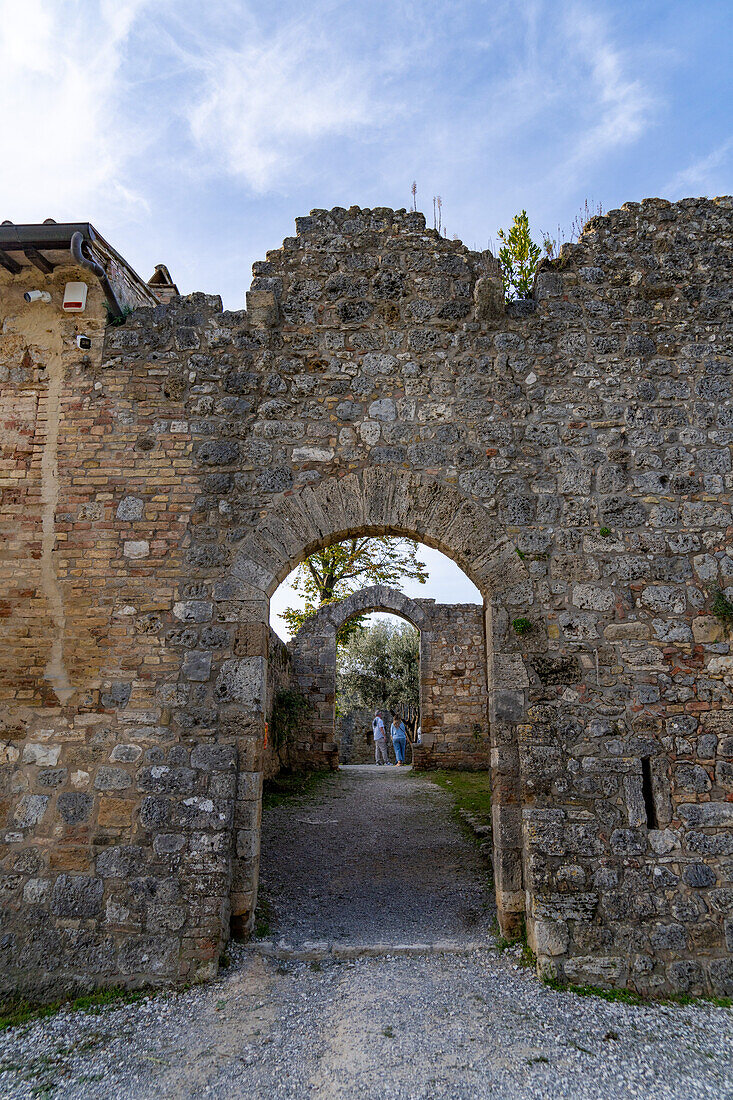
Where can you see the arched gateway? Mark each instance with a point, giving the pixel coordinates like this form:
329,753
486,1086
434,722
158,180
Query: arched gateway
377,500
452,670
571,453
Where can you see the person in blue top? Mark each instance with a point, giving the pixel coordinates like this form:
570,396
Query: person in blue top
399,738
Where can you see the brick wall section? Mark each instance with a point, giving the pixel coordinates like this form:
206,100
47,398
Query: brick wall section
376,383
457,733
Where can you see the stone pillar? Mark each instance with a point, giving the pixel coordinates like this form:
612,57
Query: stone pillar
508,681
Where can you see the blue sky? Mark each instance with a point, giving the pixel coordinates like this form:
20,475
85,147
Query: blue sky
193,133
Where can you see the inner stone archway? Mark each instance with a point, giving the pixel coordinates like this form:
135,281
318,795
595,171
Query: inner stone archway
453,681
314,650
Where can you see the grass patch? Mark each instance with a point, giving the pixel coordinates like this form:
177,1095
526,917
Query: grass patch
17,1011
631,997
289,785
471,790
527,956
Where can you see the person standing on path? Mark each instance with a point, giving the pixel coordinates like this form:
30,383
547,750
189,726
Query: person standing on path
399,738
380,739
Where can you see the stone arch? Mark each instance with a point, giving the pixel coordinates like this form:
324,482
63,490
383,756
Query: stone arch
314,652
377,597
386,501
377,500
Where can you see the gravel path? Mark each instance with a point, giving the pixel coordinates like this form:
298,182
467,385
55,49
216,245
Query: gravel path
428,1028
471,1026
374,856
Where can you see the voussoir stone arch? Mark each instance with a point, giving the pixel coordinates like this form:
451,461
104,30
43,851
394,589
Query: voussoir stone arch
377,597
378,500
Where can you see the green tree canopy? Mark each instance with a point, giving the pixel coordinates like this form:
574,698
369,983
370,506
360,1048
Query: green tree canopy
334,573
379,667
518,258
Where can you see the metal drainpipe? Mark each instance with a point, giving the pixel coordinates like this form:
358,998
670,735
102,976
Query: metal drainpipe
77,242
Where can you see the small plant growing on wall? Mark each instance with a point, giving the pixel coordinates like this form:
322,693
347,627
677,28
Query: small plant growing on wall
518,257
289,708
521,626
605,532
722,608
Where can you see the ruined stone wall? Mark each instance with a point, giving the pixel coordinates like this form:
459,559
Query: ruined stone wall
279,678
571,453
455,685
354,737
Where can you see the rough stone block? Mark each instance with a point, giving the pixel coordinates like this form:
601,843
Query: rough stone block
77,896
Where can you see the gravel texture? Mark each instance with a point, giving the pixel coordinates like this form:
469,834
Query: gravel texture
374,856
430,1026
425,1028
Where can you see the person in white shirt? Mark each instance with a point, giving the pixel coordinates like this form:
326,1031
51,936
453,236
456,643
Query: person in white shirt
380,739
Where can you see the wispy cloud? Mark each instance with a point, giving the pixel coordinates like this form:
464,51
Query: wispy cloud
267,103
65,142
605,90
704,176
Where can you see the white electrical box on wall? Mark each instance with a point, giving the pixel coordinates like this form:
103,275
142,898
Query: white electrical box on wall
75,297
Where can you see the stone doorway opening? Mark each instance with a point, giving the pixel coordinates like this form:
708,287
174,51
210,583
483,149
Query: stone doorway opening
377,669
369,859
381,502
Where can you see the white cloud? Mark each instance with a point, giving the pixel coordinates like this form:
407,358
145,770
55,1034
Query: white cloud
703,176
66,143
266,103
615,102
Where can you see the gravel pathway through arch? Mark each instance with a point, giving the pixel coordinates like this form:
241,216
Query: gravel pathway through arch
374,856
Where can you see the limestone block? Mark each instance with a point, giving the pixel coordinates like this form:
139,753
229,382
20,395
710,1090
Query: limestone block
136,549
550,937
707,629
242,680
30,810
130,509
43,756
488,297
77,896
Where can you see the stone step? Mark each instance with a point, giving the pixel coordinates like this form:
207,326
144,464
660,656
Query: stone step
322,950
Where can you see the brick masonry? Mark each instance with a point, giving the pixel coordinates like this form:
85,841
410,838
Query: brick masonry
571,453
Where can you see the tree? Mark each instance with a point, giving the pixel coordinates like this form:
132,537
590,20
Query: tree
518,258
379,667
334,573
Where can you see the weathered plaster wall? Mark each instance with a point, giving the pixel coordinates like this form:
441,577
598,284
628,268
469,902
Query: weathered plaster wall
571,453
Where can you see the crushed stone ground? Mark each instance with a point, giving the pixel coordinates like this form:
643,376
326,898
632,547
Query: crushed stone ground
430,1027
375,855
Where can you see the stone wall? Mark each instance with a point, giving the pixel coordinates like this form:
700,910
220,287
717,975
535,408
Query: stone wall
354,737
455,689
571,453
279,678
